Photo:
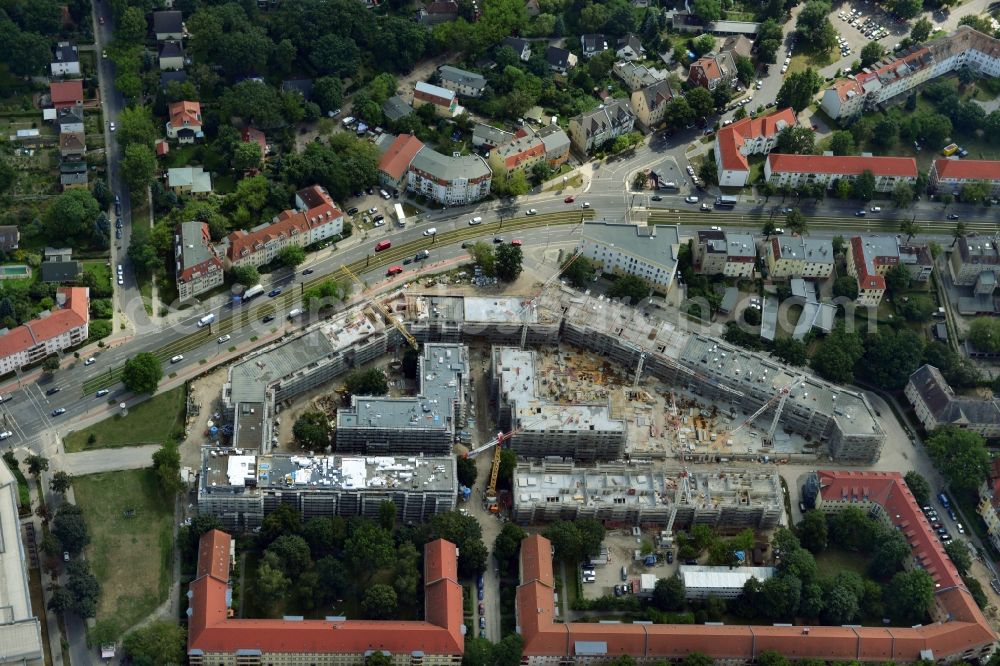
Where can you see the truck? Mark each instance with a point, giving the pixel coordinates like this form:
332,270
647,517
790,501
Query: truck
726,201
253,292
206,320
400,215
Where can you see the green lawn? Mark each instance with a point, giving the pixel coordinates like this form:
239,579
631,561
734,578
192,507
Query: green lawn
131,557
99,269
150,422
832,561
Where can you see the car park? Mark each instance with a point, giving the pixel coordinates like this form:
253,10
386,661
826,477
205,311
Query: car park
225,338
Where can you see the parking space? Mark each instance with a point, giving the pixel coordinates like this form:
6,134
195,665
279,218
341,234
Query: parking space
622,546
861,23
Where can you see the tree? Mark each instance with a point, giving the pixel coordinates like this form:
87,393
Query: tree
159,642
508,461
312,430
779,597
142,373
283,520
700,101
707,10
837,356
892,356
769,37
814,27
271,583
890,554
984,334
871,53
367,382
960,456
335,55
291,255
745,70
467,472
466,533
247,156
668,595
630,287
61,600
70,528
902,196
698,658
909,596
84,587
885,134
246,275
908,8
167,465
508,544
798,89
840,606
36,464
255,102
921,30
565,539
842,143
387,515
919,486
139,166
328,92
509,257
791,351
132,26
591,535
796,222
812,531
61,482
292,551
796,140
897,280
864,186
369,548
135,125
483,255
509,650
959,554
974,192
71,216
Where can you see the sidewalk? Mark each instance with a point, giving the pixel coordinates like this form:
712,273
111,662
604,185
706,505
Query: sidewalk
50,619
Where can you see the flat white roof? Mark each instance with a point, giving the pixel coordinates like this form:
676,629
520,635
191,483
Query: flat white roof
722,578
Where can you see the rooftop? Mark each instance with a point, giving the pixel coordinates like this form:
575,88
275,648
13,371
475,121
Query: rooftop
843,165
988,170
715,578
461,76
20,634
658,244
450,167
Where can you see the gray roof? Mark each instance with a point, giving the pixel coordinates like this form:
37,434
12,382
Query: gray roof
494,136
180,76
20,634
70,114
249,378
59,271
447,167
171,49
396,107
78,178
595,42
632,41
168,21
10,235
616,113
729,299
517,44
66,52
947,407
658,93
769,319
461,76
557,57
554,139
740,245
657,244
193,248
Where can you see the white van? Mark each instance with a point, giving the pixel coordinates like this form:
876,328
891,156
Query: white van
478,220
347,121
430,232
294,313
206,320
177,359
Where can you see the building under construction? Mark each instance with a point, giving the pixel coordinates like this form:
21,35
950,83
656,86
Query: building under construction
649,495
241,489
426,423
572,428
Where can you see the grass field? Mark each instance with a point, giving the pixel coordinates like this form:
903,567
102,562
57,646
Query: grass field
831,562
131,557
99,269
150,422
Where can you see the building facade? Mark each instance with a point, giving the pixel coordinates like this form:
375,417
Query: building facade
185,122
637,77
66,61
951,176
443,100
973,256
649,253
197,266
724,253
20,631
461,82
793,171
798,257
750,136
989,503
936,405
66,326
449,180
595,128
650,103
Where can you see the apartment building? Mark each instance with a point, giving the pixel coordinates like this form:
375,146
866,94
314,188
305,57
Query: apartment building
750,136
315,219
650,104
427,423
452,180
959,632
520,154
67,325
216,637
951,176
868,260
444,101
489,137
578,431
652,495
797,170
904,71
936,405
973,256
185,124
240,489
712,70
461,82
557,145
637,77
197,266
649,253
989,503
724,253
702,582
20,632
798,257
395,161
595,128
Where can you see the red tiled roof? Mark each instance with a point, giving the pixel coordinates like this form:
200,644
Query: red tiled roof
213,555
252,134
210,631
843,165
966,628
705,69
917,59
74,314
187,272
185,112
162,147
732,138
287,223
866,280
66,93
968,169
396,160
845,86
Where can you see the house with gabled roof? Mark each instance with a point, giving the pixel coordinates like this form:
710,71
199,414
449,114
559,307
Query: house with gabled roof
66,60
64,94
168,25
629,48
444,101
605,123
749,136
560,60
65,326
650,103
637,77
197,265
712,70
522,47
461,82
936,405
593,44
170,55
185,122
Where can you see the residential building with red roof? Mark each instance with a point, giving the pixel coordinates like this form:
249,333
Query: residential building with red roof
989,503
951,176
712,70
395,161
959,630
797,170
316,219
868,260
907,69
519,155
197,266
65,326
66,94
214,637
750,136
185,122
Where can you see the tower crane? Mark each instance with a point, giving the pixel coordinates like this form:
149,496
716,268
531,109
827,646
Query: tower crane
780,397
391,318
530,303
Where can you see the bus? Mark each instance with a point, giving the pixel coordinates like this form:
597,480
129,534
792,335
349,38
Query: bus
726,201
252,293
400,215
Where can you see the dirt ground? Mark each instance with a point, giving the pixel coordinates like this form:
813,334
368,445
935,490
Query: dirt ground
623,546
207,394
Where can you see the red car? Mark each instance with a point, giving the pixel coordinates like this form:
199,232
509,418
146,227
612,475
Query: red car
568,200
516,241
